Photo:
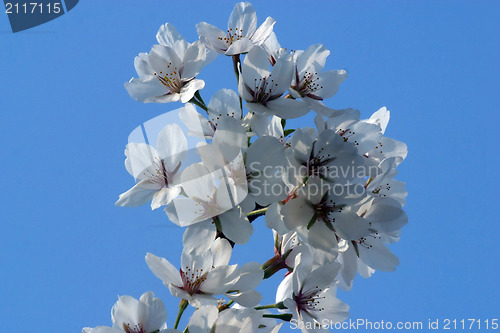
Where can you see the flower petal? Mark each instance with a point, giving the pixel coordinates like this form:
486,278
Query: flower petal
189,89
172,146
243,20
236,226
264,31
149,89
163,269
213,37
194,60
242,45
167,35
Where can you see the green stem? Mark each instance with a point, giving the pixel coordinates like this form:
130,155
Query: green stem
200,99
182,306
196,102
258,211
284,316
271,306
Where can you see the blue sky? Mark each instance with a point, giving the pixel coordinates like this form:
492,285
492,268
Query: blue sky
66,252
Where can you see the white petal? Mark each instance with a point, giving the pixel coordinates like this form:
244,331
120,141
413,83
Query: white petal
297,212
221,252
148,89
270,126
155,315
141,160
376,255
197,124
194,60
125,311
172,146
218,280
236,226
198,182
285,289
348,260
184,211
329,82
350,226
312,60
203,319
321,277
136,196
141,64
189,89
225,103
320,237
380,118
250,276
264,31
164,196
274,219
163,269
212,37
167,35
243,20
281,74
246,299
285,108
199,237
255,66
240,46
232,133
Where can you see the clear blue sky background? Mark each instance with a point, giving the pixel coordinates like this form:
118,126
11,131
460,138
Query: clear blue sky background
66,251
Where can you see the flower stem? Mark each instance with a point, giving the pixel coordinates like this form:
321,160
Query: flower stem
284,316
225,306
258,211
273,265
200,99
271,306
182,306
197,103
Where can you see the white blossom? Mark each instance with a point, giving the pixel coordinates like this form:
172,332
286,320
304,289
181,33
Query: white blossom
241,34
156,170
129,315
311,296
167,73
263,89
205,275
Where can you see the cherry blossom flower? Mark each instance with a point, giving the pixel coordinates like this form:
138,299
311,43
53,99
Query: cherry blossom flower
321,215
205,275
223,105
311,296
310,83
129,315
241,34
263,88
167,73
155,169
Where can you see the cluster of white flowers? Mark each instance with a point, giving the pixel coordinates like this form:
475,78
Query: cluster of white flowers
328,193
